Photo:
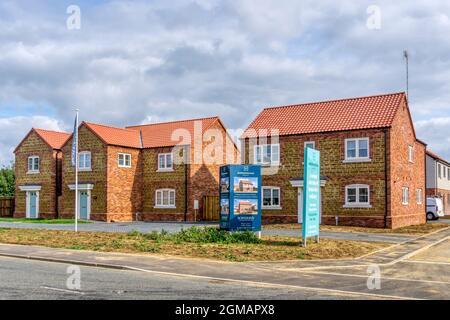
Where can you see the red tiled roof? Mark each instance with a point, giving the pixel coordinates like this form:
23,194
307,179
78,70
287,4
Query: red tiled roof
435,156
115,136
54,139
160,134
336,115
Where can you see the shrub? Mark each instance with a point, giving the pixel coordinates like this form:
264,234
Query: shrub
214,235
199,235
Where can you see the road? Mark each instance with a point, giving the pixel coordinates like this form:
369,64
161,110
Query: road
37,280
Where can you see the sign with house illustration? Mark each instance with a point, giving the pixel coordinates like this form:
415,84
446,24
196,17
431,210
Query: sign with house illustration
241,204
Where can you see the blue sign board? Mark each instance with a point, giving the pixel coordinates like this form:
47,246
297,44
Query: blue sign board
240,198
311,194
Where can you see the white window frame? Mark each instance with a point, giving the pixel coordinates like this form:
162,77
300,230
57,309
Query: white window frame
357,158
259,149
439,171
357,204
419,196
444,173
84,153
405,196
160,204
411,154
165,168
309,142
125,157
33,169
271,197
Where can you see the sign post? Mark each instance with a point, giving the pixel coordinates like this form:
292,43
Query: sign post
240,198
311,195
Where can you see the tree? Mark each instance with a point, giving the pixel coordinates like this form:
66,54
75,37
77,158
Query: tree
7,181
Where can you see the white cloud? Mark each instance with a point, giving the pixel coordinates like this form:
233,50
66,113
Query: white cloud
161,60
14,129
435,132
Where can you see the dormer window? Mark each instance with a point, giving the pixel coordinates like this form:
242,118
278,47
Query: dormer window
33,165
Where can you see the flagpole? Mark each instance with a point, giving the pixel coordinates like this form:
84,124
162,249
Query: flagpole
76,173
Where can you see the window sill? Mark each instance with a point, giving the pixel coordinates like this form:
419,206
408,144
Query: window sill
268,165
165,170
271,208
125,167
357,160
357,206
33,172
405,204
84,170
164,207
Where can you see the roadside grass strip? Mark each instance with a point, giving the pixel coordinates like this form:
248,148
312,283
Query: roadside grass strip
208,243
422,229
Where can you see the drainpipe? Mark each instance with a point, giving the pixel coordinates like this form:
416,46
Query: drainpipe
424,193
385,178
185,184
57,182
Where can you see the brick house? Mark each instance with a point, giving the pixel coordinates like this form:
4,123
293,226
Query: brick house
372,164
38,174
156,172
438,179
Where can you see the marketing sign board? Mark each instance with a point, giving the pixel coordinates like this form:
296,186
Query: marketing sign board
240,198
311,195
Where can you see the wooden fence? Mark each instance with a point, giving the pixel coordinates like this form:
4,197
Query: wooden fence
6,206
211,208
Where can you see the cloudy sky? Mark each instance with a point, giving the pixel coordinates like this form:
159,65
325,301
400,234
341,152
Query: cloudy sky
133,62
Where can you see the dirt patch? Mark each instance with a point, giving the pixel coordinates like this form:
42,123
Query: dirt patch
269,249
411,230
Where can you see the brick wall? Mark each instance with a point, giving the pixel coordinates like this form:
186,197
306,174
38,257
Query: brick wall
153,180
202,179
339,174
403,173
88,141
33,145
124,185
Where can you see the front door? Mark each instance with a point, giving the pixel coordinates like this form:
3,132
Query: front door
33,205
84,208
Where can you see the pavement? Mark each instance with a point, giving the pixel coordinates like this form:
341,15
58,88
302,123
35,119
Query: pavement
146,227
415,269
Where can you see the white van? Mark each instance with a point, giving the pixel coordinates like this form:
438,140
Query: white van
435,208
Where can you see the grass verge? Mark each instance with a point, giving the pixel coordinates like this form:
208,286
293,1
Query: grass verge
410,230
46,221
208,243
